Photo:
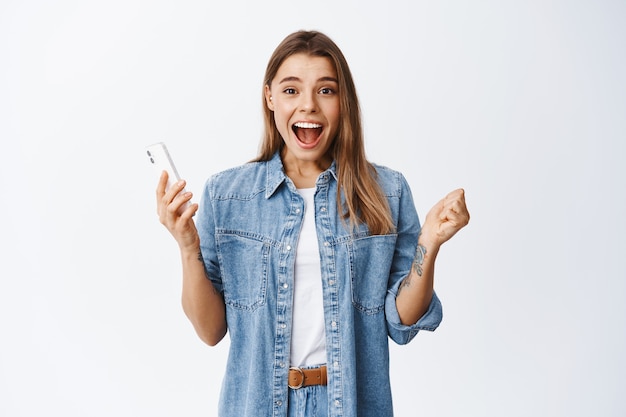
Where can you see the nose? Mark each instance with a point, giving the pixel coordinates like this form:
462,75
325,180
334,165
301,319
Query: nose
308,103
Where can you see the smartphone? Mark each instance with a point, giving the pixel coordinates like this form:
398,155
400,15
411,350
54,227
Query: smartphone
161,160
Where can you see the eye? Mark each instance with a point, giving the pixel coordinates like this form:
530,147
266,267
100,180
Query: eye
327,91
289,91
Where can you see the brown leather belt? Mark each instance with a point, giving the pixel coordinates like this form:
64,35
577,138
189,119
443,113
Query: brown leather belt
299,378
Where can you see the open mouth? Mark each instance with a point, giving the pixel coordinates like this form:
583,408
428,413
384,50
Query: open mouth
307,133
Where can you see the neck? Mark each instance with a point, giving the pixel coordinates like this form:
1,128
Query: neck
304,173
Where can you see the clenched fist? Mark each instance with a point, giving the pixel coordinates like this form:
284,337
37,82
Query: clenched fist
446,218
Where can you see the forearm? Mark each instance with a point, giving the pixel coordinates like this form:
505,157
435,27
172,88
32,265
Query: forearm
202,303
443,221
416,290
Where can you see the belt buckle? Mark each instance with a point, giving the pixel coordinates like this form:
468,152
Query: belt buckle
301,384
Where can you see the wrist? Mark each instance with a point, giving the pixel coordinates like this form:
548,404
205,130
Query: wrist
190,250
428,243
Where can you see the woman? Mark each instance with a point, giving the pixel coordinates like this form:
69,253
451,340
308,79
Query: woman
309,256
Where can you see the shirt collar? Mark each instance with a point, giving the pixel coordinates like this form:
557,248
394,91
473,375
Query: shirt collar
276,174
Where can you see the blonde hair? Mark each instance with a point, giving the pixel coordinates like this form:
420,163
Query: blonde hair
363,198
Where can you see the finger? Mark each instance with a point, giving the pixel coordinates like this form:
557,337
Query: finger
455,199
173,191
458,193
170,214
455,213
178,201
458,214
455,206
160,190
189,212
438,210
453,202
455,195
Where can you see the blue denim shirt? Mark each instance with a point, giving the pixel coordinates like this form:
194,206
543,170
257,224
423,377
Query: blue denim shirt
249,223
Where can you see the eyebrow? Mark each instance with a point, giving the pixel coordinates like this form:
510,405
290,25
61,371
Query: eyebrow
293,78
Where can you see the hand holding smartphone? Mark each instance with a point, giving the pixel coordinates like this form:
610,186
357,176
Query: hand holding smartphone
161,160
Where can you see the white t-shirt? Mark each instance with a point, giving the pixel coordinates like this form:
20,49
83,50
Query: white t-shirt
308,338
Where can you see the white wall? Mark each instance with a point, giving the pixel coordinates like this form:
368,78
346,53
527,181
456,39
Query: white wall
522,103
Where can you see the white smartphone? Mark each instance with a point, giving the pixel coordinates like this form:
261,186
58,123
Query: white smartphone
161,160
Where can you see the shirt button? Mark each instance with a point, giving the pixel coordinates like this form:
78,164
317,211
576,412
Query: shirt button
279,403
285,285
297,211
283,326
333,324
336,364
323,209
337,403
282,364
288,247
331,282
326,244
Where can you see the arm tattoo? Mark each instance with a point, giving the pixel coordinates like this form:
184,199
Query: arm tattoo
417,266
419,259
405,283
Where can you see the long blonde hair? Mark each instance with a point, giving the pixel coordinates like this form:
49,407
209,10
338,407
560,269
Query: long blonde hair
364,199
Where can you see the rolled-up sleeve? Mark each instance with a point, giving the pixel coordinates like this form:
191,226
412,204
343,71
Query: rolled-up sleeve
403,334
205,223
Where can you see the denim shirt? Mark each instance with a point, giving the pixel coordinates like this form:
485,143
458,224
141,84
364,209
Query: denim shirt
249,223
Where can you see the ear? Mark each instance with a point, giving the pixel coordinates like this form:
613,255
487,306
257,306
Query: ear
268,98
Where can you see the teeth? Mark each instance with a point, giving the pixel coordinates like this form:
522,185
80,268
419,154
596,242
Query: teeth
304,125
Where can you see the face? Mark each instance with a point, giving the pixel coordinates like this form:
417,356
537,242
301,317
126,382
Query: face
305,100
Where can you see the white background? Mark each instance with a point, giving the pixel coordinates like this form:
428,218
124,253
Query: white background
522,103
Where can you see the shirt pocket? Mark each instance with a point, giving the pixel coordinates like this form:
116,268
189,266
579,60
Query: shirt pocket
243,262
370,266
